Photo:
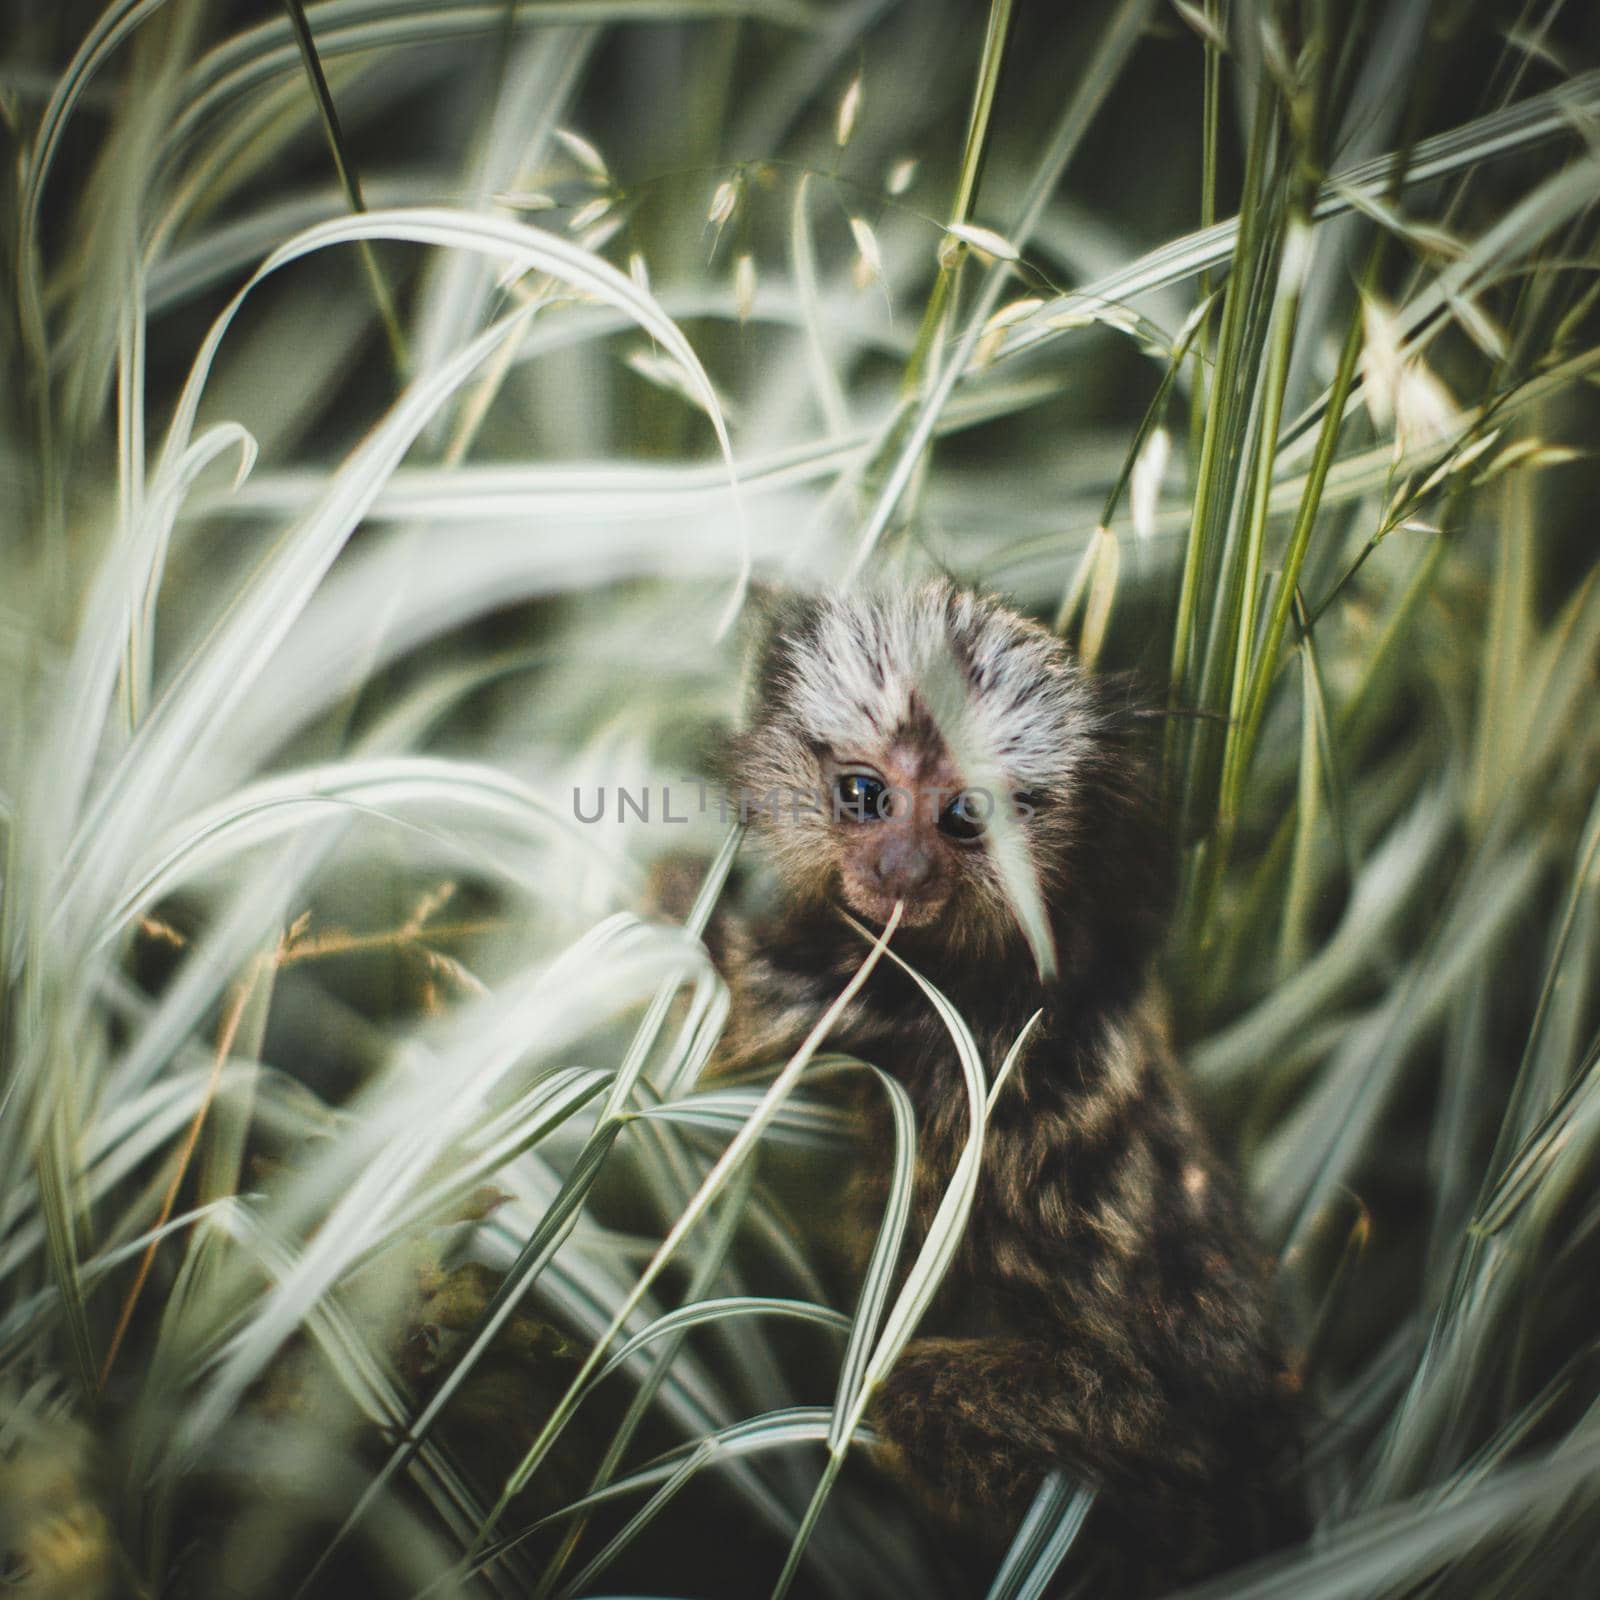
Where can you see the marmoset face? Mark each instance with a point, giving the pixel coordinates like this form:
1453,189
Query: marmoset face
907,828
862,703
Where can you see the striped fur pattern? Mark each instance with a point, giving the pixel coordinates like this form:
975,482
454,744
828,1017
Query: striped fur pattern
1108,1310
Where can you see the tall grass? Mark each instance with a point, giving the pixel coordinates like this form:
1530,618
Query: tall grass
404,393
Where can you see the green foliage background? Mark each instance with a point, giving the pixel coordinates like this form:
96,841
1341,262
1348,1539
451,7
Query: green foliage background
402,395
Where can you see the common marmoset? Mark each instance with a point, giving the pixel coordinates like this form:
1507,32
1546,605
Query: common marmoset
1108,1311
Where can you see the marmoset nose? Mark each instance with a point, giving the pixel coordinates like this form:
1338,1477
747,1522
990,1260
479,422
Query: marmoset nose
902,866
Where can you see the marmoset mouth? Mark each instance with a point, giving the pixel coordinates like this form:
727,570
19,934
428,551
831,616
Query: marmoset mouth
877,909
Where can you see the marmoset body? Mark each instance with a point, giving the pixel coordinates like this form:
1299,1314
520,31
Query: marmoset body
1108,1311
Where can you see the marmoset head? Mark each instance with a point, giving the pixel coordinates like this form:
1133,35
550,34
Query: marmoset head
898,744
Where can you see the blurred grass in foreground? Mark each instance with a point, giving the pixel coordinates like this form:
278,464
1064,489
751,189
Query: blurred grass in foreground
403,392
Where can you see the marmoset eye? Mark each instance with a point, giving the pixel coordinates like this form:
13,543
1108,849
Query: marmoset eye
966,817
858,796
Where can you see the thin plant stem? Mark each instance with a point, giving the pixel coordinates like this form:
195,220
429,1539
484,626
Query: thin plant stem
349,180
227,1032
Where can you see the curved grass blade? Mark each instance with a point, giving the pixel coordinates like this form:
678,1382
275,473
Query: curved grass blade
726,1165
1042,1542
